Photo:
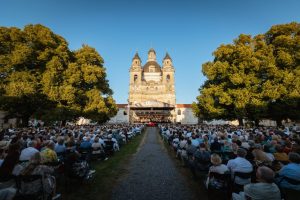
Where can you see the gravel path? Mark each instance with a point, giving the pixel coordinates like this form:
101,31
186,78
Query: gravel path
152,174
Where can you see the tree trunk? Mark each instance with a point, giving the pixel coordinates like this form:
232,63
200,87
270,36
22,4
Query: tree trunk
256,122
279,122
63,122
25,120
241,122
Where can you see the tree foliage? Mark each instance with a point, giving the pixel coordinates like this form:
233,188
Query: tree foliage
254,77
40,76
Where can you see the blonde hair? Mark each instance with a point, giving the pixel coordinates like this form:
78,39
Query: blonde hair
215,159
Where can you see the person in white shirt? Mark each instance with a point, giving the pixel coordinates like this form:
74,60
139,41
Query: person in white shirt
28,152
101,141
175,142
217,166
240,164
189,134
98,149
116,145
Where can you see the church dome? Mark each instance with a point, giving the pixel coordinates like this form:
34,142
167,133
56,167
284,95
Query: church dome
151,66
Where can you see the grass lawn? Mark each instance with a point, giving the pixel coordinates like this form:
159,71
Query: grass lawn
107,174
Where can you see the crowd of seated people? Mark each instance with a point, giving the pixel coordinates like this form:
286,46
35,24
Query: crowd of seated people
245,163
32,158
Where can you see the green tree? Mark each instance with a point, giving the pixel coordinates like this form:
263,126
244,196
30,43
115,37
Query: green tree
284,82
40,76
248,78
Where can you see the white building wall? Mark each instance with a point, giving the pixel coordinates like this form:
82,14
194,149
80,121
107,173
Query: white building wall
186,116
121,117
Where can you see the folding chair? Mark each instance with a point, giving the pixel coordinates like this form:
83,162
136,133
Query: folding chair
289,194
109,147
30,187
243,175
97,153
85,153
221,190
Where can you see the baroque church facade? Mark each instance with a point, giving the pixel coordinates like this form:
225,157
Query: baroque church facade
152,89
152,95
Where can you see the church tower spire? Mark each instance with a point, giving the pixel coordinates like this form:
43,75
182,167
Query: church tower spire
167,60
151,55
136,60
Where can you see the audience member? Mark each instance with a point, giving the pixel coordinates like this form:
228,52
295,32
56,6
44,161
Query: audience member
265,188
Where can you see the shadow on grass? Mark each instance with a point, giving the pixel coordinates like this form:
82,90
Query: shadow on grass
107,174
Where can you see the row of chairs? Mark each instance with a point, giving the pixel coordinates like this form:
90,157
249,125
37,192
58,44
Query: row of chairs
24,190
227,186
221,186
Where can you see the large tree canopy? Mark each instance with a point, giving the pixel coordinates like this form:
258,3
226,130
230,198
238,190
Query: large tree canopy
255,77
40,76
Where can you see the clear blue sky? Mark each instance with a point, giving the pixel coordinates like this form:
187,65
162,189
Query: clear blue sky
190,30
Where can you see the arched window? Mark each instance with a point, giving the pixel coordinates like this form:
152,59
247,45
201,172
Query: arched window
178,112
135,77
168,78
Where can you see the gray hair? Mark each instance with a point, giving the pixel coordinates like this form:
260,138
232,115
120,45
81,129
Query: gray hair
266,174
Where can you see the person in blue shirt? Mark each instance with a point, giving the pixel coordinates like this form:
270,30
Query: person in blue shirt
60,146
86,144
199,138
291,171
195,141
